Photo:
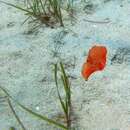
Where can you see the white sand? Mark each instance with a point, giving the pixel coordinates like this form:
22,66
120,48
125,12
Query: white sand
26,70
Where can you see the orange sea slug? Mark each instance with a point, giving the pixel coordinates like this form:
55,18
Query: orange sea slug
96,61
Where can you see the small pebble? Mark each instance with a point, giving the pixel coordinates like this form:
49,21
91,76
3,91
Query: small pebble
94,26
37,108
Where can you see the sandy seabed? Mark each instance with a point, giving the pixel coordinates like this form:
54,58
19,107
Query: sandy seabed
26,66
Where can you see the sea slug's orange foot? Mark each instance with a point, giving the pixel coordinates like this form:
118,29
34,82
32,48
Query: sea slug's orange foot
96,61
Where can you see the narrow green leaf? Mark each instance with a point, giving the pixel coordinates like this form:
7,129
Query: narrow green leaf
16,116
61,102
12,128
18,7
43,117
65,81
43,7
34,113
62,69
64,84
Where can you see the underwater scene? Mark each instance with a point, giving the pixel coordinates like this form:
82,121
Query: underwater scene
64,64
